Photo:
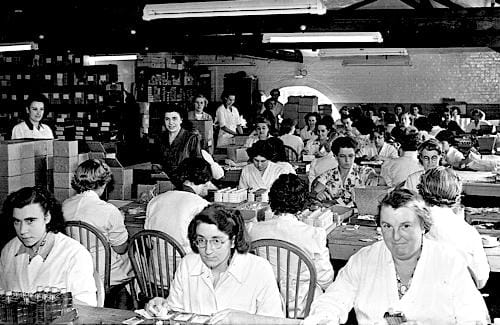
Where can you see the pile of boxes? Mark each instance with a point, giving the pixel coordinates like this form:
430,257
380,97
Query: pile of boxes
206,129
298,106
319,218
66,160
231,195
17,166
123,179
44,163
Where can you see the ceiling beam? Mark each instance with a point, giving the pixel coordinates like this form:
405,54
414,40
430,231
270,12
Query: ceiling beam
412,3
450,4
359,5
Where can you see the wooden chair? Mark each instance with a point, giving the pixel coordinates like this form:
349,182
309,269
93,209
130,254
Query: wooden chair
291,154
155,257
98,246
291,267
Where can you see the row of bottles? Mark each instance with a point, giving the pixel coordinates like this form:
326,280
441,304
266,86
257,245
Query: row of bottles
41,307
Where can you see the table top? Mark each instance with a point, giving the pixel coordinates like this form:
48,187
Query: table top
98,315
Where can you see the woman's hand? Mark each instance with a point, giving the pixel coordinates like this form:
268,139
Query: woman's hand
157,306
230,316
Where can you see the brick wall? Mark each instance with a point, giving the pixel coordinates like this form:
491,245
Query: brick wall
472,77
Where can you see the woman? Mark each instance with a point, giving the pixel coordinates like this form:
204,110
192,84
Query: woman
338,183
287,198
429,156
228,119
324,161
289,139
309,130
441,188
323,130
261,132
261,172
90,181
40,254
200,103
176,143
221,277
378,149
424,280
32,127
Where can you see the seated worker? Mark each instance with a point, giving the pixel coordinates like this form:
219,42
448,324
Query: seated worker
424,280
415,110
176,143
287,198
347,130
32,127
261,132
441,189
324,161
279,155
323,129
309,130
261,172
378,149
221,277
172,211
404,122
289,139
397,170
478,119
200,103
456,159
429,156
41,254
450,124
228,119
338,183
268,114
90,180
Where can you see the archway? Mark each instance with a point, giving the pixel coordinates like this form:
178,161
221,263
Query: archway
306,91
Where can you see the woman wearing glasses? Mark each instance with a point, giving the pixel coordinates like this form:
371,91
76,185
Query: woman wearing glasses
222,279
429,156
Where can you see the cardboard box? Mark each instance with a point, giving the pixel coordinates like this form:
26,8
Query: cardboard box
43,148
13,183
83,157
121,192
308,101
65,148
122,175
63,180
65,164
293,99
206,129
290,107
16,149
17,167
62,194
239,140
165,186
237,153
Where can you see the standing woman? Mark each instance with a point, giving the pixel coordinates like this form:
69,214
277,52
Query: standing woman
198,114
228,119
40,254
32,128
176,143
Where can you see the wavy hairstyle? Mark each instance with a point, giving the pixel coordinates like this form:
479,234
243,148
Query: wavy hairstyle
440,186
228,221
193,169
32,195
288,194
262,148
343,142
91,175
402,197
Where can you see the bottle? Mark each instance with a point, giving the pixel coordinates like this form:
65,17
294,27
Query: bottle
46,305
66,300
10,308
55,297
2,305
39,305
26,311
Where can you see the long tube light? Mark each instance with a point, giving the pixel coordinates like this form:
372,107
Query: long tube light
92,60
327,37
362,52
232,8
13,47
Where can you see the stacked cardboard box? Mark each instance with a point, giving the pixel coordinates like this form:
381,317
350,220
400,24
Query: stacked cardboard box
123,179
17,165
325,109
298,106
66,161
44,163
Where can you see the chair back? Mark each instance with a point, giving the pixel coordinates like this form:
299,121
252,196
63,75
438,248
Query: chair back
291,154
98,246
295,273
155,256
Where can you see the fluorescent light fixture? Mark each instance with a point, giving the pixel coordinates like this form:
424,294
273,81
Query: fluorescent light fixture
224,64
377,61
13,47
232,8
362,52
92,60
327,37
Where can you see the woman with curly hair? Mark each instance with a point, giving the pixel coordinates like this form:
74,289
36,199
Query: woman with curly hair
41,254
90,181
440,187
287,198
221,278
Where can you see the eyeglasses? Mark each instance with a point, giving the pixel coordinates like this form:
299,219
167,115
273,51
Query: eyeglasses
216,242
433,158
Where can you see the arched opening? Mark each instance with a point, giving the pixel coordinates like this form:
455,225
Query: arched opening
306,91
